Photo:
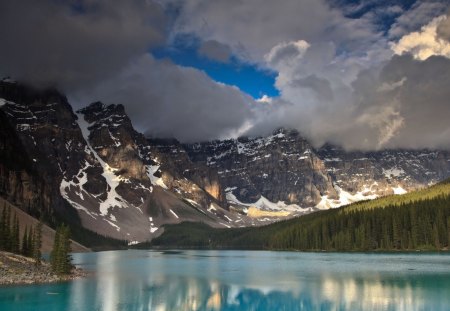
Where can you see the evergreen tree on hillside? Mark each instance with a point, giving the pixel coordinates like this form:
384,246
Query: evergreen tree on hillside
25,249
2,229
5,229
15,239
30,242
37,243
60,258
3,233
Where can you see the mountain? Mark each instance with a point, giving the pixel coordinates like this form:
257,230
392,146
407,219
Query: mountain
90,168
419,220
93,169
284,171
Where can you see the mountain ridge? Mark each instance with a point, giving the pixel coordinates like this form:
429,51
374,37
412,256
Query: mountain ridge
96,170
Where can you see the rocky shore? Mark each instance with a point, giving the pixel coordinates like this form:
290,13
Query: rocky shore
17,269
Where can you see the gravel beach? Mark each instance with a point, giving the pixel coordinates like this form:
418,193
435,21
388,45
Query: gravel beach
17,269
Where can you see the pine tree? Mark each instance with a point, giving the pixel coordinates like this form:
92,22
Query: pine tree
55,251
448,229
6,229
66,265
15,239
60,258
25,251
3,233
30,242
37,243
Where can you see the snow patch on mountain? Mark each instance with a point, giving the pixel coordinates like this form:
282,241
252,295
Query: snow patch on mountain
113,198
394,171
158,181
174,213
399,190
345,198
264,204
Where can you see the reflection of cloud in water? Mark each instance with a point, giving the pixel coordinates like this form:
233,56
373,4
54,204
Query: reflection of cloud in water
373,294
170,283
330,293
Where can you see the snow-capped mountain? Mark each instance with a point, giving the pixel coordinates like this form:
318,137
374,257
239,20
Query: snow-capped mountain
91,167
281,168
284,172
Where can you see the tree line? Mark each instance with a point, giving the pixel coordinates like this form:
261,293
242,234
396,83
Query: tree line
418,220
423,224
30,243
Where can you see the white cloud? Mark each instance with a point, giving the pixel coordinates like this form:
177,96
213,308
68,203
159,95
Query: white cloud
425,42
265,99
286,53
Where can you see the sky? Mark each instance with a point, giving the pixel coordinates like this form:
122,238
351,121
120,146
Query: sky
363,74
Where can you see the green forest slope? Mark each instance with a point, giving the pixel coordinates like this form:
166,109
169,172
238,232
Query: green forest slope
417,220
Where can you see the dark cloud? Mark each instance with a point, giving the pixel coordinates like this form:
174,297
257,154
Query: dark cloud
423,99
72,44
420,14
215,50
321,87
166,100
443,29
402,104
338,79
253,27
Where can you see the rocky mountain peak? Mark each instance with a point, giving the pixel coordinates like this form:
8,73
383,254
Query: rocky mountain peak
93,167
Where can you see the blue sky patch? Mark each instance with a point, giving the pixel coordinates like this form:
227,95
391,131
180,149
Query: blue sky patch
247,77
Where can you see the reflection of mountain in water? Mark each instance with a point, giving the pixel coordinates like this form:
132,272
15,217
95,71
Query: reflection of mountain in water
239,280
331,294
165,289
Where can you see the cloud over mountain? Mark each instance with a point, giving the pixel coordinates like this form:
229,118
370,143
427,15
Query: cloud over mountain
72,44
342,76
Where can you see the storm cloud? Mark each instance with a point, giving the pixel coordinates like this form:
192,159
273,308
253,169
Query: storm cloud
72,44
340,79
170,101
215,50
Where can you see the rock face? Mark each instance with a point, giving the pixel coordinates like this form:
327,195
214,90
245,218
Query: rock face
281,167
32,124
93,168
285,168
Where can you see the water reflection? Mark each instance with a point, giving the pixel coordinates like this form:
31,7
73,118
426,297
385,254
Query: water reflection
139,280
257,281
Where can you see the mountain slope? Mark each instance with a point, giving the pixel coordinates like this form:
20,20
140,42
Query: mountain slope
48,234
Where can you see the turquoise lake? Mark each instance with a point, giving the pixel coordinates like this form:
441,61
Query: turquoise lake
243,280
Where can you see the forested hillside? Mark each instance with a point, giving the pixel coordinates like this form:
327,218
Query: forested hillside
418,220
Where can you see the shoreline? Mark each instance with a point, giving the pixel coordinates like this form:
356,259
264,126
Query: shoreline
19,270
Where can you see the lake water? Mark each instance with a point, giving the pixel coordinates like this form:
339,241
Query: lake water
243,280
